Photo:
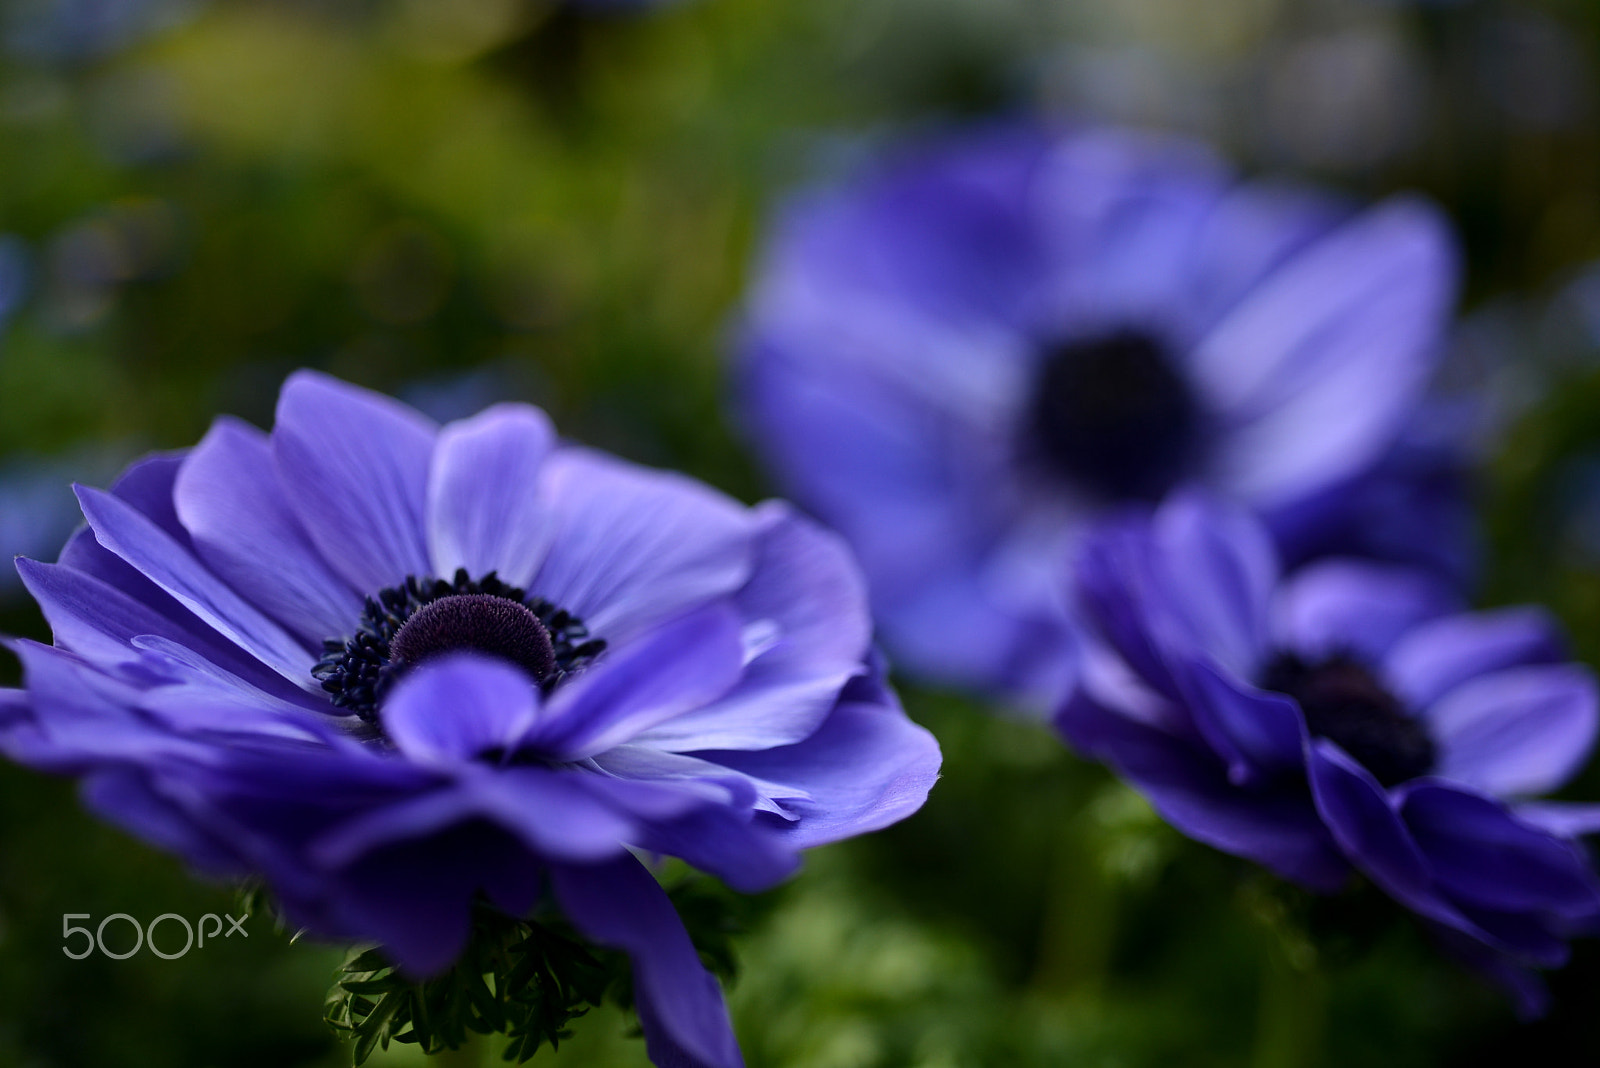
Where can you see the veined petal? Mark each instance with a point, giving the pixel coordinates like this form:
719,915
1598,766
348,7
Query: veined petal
242,526
149,549
806,605
633,546
358,464
677,668
484,509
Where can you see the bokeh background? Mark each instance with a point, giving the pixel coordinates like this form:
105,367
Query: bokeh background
463,201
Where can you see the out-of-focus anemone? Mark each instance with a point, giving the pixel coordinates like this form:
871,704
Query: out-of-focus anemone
962,358
1348,716
394,667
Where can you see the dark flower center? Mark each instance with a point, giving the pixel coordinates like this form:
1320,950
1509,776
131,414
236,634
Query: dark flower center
401,626
1112,415
1345,704
481,621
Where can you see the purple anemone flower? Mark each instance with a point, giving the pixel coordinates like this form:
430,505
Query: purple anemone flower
1348,716
960,359
391,666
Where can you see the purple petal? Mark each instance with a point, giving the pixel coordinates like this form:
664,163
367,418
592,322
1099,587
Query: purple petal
148,486
1319,366
677,668
453,708
1354,607
416,896
1253,230
680,1005
129,799
635,546
556,814
1258,734
99,621
229,499
1484,856
484,509
1521,731
1123,213
1364,822
354,465
807,619
736,847
145,546
1568,819
91,718
1190,788
867,766
1121,596
1440,655
1218,566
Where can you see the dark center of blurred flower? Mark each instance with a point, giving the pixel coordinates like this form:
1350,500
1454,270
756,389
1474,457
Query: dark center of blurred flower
401,626
1345,704
1111,415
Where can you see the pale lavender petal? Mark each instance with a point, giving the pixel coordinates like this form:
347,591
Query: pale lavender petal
1520,731
242,526
1569,819
807,630
1216,565
677,668
1354,607
356,466
635,546
1438,656
867,766
1342,339
484,509
450,709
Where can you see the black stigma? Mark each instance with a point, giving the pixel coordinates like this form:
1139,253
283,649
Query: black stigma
1112,416
1344,703
478,621
422,617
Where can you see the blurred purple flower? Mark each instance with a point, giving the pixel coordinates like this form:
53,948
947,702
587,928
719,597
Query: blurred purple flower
1348,716
683,676
961,359
73,30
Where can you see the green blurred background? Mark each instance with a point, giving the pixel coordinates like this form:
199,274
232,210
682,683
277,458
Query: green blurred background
463,201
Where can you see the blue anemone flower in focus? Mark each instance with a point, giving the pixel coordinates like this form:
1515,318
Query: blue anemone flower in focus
392,666
1347,716
962,358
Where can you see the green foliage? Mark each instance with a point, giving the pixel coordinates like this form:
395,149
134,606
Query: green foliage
525,978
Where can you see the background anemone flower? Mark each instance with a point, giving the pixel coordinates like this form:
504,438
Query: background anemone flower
1346,716
961,358
535,660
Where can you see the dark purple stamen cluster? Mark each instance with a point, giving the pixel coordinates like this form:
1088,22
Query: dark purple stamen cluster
1344,703
1113,416
423,617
